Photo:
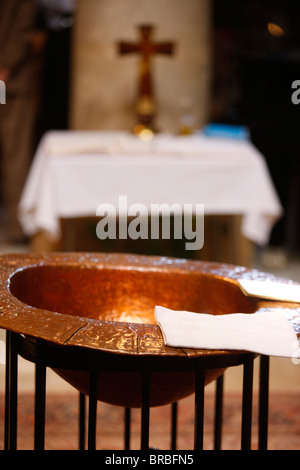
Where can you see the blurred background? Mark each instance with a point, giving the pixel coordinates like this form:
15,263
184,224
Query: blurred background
232,63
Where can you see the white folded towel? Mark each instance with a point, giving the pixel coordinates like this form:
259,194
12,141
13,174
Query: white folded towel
266,332
275,290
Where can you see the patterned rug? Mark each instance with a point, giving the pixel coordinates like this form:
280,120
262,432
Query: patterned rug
62,423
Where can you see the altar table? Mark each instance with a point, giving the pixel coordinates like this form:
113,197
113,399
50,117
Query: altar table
73,172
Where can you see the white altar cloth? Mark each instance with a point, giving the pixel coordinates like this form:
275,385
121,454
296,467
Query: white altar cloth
73,172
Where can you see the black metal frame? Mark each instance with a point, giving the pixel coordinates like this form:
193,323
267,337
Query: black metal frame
45,354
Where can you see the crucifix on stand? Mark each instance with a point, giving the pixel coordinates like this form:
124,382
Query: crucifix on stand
146,48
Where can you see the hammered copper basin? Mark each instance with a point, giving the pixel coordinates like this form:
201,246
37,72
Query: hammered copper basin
122,295
106,303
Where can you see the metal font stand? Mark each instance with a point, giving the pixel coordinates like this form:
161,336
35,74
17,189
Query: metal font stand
44,355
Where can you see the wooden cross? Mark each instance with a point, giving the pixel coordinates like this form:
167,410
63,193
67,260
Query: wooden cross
146,48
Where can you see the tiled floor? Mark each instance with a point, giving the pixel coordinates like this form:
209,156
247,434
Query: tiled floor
284,374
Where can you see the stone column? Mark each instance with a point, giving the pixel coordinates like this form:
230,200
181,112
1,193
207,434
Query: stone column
105,83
